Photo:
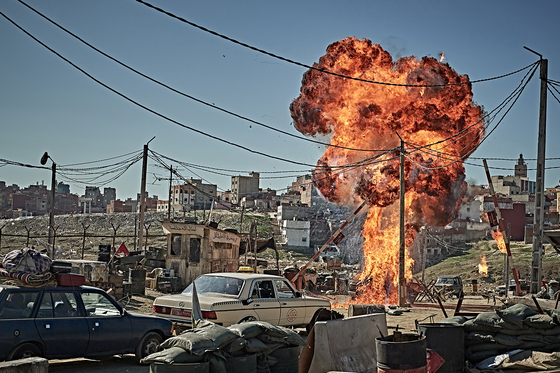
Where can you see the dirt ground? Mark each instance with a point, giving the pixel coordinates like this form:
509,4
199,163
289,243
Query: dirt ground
420,312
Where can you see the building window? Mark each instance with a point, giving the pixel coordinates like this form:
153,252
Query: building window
194,253
175,244
304,239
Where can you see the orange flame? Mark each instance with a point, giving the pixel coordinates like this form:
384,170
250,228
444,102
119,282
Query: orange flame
499,237
360,115
483,266
338,305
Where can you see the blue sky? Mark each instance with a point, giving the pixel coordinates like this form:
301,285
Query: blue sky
48,105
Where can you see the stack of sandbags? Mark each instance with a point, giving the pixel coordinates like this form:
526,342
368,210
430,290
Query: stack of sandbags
276,348
513,328
246,347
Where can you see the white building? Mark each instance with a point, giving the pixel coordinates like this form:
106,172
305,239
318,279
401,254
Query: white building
296,232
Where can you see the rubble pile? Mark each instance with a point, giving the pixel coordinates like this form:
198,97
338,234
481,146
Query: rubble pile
256,345
510,330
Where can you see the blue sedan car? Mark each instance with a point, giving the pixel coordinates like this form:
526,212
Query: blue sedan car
69,322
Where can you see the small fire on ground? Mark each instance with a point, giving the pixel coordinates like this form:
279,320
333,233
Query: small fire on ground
483,266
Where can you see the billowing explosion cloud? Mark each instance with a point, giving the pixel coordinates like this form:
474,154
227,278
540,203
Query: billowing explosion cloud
441,126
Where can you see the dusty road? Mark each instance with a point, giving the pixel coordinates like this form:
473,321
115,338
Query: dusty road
115,364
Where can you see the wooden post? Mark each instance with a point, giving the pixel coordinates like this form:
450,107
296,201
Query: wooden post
84,239
255,264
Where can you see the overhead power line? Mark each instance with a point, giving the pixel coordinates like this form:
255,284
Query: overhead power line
211,105
315,68
151,110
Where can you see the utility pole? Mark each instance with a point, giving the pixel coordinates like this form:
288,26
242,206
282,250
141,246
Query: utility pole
169,199
44,160
402,290
536,257
53,198
143,193
503,228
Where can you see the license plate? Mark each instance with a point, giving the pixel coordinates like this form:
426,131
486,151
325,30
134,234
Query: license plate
182,313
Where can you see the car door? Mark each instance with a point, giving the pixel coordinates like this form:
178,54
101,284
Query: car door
110,330
292,308
61,325
16,323
265,303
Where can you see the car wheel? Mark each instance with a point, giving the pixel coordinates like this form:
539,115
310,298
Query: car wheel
24,351
249,318
148,345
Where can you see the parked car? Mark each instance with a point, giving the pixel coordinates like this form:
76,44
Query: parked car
70,322
449,285
230,298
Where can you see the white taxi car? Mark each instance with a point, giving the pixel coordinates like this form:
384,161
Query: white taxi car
230,298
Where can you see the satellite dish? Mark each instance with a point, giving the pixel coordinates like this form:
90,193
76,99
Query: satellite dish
44,158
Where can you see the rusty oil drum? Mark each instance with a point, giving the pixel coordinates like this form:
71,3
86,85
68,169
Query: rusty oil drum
401,353
448,340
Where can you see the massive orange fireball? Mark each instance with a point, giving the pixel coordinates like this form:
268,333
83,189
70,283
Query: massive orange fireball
440,125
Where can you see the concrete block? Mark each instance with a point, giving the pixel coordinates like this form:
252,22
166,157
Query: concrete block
343,345
28,365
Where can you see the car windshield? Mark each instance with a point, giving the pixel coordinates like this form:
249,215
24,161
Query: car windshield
222,285
444,280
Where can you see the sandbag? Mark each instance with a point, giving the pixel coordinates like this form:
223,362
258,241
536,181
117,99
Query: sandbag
255,345
250,329
488,319
481,355
516,314
235,345
455,320
531,337
485,347
195,343
520,331
539,322
555,314
273,330
294,339
172,355
554,331
480,337
221,336
218,363
507,340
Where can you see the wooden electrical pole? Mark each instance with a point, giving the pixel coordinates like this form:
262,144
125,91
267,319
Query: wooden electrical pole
402,247
143,194
537,251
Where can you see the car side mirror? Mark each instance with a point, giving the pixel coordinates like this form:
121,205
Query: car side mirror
299,294
247,301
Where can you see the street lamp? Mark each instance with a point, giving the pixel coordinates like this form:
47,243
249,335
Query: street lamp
44,160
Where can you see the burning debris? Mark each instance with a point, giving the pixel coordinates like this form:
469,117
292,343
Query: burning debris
499,237
440,125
